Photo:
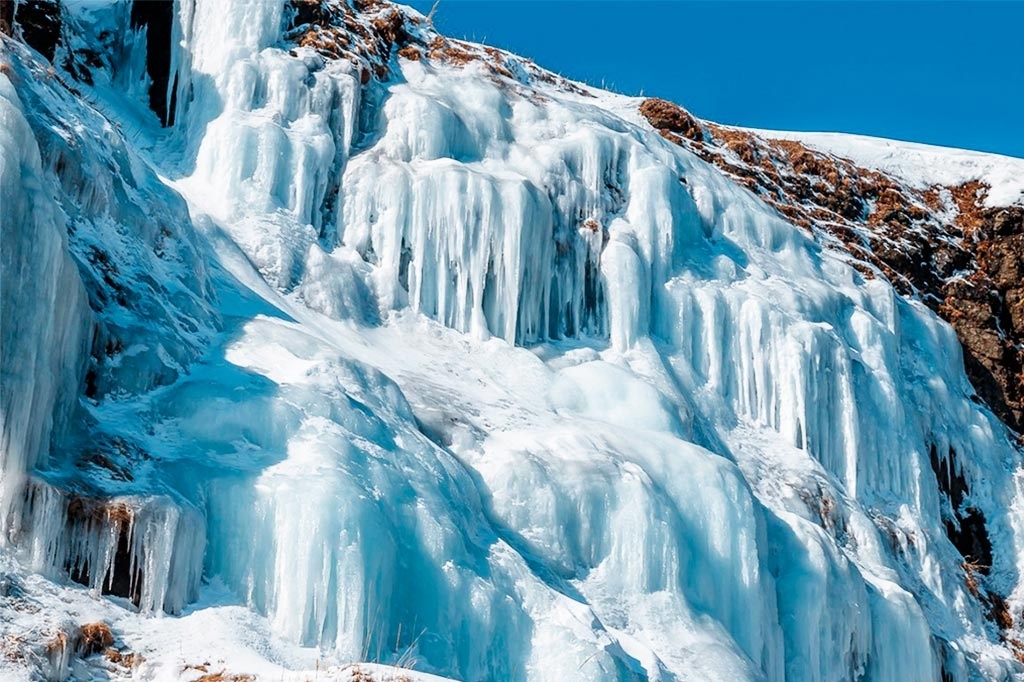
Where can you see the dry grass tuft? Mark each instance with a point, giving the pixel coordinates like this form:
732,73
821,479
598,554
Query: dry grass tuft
1016,648
125,659
666,116
12,648
458,53
221,676
410,52
96,637
357,674
969,198
57,643
92,510
971,572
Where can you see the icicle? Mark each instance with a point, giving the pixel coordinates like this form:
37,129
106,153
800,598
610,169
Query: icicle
44,317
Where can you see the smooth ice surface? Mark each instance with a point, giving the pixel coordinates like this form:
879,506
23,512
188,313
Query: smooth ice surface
468,372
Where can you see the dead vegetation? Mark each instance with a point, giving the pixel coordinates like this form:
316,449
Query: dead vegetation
221,675
371,32
941,245
671,118
95,638
969,198
124,659
1016,647
12,648
358,674
971,573
410,52
94,510
335,32
88,515
997,609
459,53
57,644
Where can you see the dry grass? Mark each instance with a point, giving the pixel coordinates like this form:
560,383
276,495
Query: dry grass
743,145
971,572
666,116
932,198
1016,648
996,608
12,648
224,676
125,659
96,637
358,674
57,643
88,509
969,198
390,27
917,239
458,53
410,52
327,43
999,611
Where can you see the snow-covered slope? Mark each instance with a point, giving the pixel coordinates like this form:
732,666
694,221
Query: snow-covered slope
921,165
399,349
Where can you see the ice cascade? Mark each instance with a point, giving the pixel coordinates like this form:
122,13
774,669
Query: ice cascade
459,365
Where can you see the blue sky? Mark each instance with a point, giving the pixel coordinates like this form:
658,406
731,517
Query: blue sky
948,73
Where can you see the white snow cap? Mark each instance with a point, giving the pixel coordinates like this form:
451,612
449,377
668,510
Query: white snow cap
920,165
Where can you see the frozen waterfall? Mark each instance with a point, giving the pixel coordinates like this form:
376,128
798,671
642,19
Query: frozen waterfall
473,371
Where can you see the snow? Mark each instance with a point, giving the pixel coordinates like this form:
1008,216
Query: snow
920,165
475,376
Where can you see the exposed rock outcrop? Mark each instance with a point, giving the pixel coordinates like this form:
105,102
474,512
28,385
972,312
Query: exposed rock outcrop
157,18
40,23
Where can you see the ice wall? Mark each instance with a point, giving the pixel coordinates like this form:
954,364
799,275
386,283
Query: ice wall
44,318
267,131
351,530
485,374
106,296
766,328
500,212
519,256
148,549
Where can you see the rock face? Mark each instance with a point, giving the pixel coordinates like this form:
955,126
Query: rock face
156,17
6,17
40,23
941,244
987,311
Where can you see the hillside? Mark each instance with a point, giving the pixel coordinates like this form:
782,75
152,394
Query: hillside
329,340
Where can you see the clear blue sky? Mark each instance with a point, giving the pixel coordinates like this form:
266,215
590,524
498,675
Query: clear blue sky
948,73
